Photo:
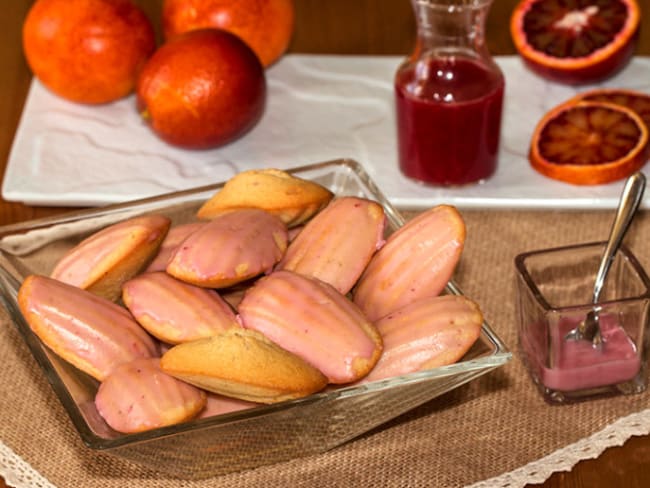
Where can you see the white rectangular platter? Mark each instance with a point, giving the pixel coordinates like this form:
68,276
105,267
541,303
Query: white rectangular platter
318,108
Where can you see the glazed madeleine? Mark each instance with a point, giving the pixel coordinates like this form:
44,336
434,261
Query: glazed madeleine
139,396
229,249
337,244
427,333
417,261
88,331
175,236
313,320
243,364
292,199
106,259
175,311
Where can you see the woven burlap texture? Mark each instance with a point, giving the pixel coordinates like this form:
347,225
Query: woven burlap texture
488,427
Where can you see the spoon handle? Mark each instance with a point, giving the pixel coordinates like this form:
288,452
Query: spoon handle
630,200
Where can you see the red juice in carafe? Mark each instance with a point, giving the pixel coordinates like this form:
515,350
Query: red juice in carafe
448,120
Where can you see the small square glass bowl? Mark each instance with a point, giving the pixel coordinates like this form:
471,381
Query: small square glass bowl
245,439
555,289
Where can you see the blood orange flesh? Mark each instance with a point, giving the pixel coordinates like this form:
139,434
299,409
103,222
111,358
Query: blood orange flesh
588,143
575,41
632,99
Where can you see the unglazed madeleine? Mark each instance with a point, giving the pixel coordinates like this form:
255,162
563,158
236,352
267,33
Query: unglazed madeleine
313,320
106,259
337,244
231,248
292,199
427,333
243,364
417,261
139,396
88,331
175,311
175,236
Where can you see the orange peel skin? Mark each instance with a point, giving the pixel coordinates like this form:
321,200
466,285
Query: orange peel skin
597,65
589,143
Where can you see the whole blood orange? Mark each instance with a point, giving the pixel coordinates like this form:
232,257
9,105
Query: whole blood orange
588,143
575,41
202,89
87,51
265,25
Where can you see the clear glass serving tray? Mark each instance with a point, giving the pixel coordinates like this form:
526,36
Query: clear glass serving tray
240,440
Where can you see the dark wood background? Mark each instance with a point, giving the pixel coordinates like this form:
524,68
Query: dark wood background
332,27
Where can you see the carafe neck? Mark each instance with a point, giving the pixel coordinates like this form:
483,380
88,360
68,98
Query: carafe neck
450,28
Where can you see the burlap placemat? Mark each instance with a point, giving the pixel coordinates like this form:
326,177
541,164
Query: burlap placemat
494,425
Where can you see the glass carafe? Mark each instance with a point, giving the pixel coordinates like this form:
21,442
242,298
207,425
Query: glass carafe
449,96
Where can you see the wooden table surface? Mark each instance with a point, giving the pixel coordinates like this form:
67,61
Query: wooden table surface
334,27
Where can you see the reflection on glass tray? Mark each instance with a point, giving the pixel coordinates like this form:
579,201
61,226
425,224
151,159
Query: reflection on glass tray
319,108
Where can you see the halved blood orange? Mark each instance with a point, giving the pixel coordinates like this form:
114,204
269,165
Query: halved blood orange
635,100
589,143
575,41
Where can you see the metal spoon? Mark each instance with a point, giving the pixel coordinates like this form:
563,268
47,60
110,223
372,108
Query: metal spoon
589,329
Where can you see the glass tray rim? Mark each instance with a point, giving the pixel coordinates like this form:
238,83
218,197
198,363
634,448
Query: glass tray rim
9,283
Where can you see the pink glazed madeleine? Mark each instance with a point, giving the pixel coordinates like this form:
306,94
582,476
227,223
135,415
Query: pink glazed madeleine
175,311
88,331
337,244
139,396
106,259
417,261
311,319
176,235
229,249
428,333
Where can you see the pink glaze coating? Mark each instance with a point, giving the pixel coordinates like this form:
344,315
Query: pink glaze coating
578,365
337,244
428,333
175,311
139,396
417,261
176,235
314,321
82,264
231,248
90,332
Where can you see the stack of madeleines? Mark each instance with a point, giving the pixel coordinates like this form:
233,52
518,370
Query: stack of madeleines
276,290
